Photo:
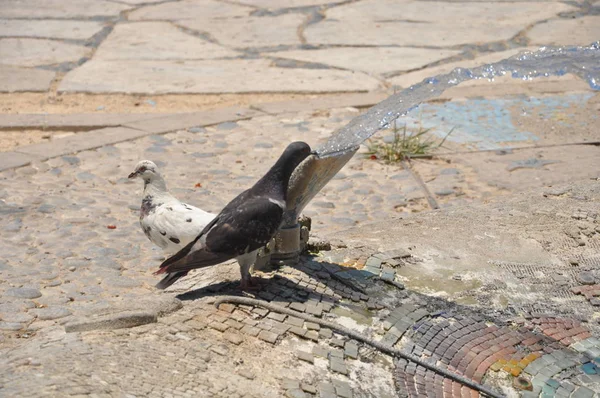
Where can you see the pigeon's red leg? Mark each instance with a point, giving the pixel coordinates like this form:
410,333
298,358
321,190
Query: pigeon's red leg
249,284
246,262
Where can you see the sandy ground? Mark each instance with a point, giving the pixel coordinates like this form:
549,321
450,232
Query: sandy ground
9,140
53,103
13,103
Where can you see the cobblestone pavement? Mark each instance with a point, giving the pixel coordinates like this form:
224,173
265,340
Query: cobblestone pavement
160,349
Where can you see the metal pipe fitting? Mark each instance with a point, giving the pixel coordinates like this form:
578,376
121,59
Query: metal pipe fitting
287,246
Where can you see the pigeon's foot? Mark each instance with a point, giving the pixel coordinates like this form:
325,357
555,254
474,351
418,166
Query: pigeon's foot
250,284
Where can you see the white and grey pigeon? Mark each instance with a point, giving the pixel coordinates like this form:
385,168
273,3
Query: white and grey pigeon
245,225
167,222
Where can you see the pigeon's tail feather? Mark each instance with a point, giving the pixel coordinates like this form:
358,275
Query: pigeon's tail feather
175,257
181,254
169,279
197,259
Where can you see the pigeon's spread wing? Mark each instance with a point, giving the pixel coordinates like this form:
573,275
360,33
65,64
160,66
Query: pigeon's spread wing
174,224
246,228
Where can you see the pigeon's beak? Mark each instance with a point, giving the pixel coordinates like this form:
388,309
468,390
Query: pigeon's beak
315,153
133,175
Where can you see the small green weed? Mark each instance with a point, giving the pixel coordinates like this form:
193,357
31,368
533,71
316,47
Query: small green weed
405,145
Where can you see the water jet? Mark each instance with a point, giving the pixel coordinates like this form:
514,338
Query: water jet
317,170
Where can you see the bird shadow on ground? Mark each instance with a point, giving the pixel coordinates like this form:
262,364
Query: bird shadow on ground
313,281
309,281
317,287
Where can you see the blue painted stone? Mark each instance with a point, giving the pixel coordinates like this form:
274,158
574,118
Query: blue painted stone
488,123
589,368
546,389
372,270
388,276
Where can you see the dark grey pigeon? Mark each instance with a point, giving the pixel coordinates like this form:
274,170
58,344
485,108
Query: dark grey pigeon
245,225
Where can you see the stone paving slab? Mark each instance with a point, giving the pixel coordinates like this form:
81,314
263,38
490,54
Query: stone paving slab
163,124
502,86
276,45
80,121
262,31
190,9
408,79
533,167
354,100
35,52
82,141
138,2
233,76
11,160
16,79
335,32
157,41
121,321
84,121
275,4
370,59
507,86
423,23
74,30
569,32
60,9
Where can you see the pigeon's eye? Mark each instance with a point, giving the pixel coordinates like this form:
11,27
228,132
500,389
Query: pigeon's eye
142,169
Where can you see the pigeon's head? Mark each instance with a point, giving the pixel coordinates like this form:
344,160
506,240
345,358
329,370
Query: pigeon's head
145,169
295,153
